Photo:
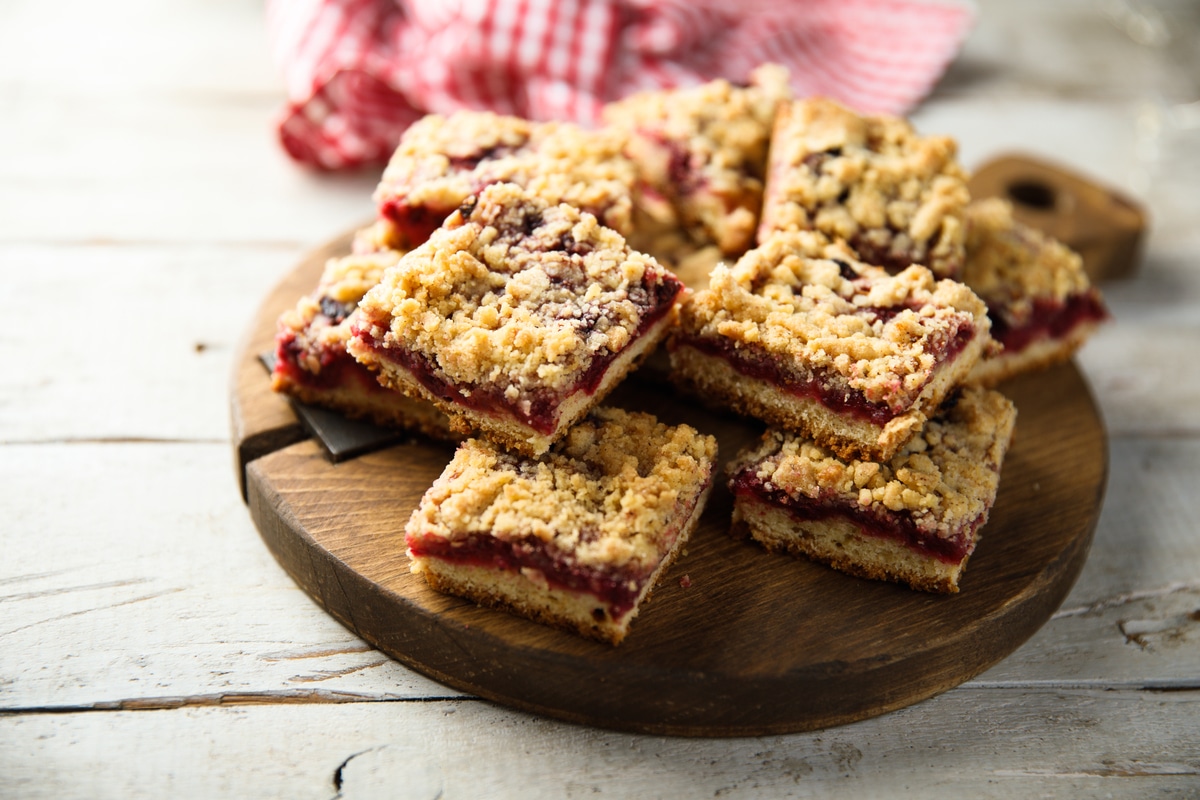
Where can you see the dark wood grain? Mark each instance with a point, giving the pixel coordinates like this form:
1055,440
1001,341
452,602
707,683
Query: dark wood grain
756,643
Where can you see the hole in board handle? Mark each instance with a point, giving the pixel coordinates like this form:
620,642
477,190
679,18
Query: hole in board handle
1033,194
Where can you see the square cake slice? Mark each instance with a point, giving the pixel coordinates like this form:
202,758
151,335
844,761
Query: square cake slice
913,519
442,160
576,539
516,317
701,154
1041,303
313,365
800,334
895,197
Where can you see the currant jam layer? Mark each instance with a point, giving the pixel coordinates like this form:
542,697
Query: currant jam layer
882,254
338,367
897,526
538,409
414,224
1049,320
825,386
618,589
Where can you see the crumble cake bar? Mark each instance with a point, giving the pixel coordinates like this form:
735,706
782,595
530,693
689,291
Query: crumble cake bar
515,317
575,539
803,336
701,154
313,366
1039,298
895,197
380,236
913,519
442,160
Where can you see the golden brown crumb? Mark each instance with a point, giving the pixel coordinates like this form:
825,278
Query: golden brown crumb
442,160
945,477
343,283
1011,264
702,152
812,305
606,493
896,197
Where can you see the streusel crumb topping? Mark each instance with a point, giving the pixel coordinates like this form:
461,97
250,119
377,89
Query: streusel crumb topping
725,126
606,493
946,476
442,160
515,293
705,148
896,197
1012,264
810,303
322,319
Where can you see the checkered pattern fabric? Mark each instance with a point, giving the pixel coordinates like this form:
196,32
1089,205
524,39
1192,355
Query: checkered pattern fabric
358,72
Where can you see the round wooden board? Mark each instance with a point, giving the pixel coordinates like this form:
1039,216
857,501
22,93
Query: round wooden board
750,644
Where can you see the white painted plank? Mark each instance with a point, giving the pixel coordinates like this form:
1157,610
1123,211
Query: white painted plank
143,582
1076,48
136,47
181,168
1142,364
968,743
127,343
133,573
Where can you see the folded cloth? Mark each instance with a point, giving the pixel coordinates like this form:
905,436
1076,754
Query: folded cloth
358,72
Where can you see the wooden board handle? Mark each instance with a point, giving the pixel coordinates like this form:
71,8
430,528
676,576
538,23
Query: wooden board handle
1103,225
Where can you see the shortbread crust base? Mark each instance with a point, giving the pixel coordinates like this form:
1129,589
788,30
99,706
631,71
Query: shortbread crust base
839,543
1038,355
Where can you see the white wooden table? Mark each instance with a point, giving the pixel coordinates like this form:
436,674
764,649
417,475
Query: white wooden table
150,645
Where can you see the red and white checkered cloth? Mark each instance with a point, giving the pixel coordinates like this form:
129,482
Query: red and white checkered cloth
358,72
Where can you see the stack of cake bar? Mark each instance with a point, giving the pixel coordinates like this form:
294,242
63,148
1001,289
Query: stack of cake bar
818,270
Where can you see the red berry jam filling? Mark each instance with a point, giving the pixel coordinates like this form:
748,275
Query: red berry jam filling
874,249
825,386
684,176
618,589
1051,319
470,162
538,409
878,522
414,224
